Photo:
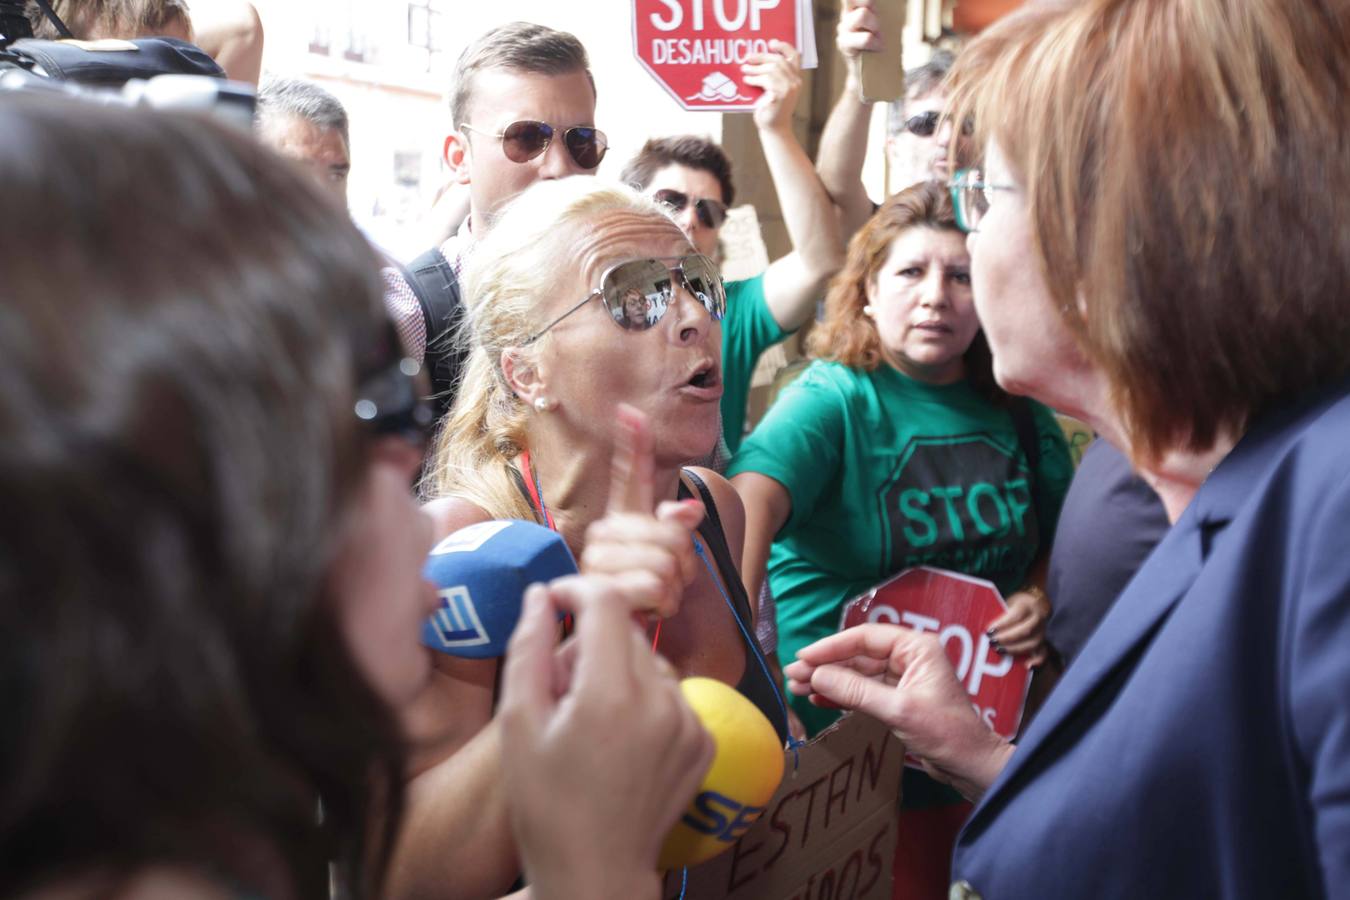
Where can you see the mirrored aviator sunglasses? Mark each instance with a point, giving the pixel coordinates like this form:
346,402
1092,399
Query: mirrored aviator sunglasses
524,140
638,292
711,213
652,280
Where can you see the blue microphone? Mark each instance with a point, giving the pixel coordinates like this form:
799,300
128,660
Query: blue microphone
480,573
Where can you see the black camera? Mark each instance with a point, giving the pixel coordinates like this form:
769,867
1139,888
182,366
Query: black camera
161,72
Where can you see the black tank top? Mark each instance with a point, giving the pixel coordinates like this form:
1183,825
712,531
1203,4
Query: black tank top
755,683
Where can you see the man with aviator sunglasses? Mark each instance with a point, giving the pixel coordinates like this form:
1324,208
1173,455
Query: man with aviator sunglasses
523,108
692,176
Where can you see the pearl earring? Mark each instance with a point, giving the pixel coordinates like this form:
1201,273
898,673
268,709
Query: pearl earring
869,311
542,404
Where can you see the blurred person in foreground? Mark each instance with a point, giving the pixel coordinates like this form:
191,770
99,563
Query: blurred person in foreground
1176,169
210,572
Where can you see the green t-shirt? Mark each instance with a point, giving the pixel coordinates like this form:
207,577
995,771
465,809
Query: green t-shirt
747,331
886,473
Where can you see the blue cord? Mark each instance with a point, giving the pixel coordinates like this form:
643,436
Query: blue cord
684,881
793,743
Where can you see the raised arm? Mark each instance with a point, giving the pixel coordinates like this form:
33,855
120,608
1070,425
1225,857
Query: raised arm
843,143
232,34
767,507
793,284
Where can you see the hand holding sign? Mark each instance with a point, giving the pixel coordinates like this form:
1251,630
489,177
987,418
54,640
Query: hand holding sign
601,754
1021,630
859,29
695,48
649,556
779,74
906,681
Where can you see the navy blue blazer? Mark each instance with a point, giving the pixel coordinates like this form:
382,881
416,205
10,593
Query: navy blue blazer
1200,745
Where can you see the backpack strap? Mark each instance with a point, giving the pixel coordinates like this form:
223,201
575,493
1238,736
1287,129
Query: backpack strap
52,17
433,281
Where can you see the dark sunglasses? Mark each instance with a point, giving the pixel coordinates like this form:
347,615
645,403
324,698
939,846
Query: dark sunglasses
924,124
638,292
391,392
712,213
524,140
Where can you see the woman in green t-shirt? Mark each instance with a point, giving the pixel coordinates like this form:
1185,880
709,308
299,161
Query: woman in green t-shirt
896,449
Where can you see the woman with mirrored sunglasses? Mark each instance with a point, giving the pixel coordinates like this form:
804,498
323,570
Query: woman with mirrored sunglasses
210,569
556,378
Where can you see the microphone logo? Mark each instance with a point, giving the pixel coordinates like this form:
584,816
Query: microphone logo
456,624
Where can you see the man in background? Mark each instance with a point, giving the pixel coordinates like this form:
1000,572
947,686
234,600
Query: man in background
919,144
306,123
522,108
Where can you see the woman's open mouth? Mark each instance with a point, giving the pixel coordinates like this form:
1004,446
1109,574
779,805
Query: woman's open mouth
705,383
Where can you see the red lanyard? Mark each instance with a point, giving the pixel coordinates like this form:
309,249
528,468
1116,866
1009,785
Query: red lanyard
537,500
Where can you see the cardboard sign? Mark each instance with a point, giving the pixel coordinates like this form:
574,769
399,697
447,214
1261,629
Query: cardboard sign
881,73
695,48
958,609
828,832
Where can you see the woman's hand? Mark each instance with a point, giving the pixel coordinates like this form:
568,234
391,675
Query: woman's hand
1021,630
905,680
599,750
650,557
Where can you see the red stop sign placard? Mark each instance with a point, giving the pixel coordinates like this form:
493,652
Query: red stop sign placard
958,609
695,48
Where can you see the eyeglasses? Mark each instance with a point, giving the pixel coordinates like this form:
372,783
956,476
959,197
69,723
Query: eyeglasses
648,285
924,124
524,140
391,393
712,213
971,197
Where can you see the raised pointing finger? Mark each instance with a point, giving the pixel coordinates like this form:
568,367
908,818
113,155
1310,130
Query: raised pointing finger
631,471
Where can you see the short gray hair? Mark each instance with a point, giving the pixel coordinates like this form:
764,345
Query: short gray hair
919,82
516,47
302,99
